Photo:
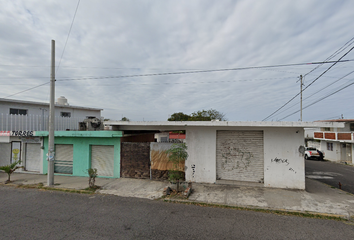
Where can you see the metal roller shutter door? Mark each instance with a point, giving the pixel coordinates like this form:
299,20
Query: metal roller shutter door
33,157
240,156
64,155
5,154
102,158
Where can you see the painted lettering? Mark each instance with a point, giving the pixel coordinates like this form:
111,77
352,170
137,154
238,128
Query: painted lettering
280,160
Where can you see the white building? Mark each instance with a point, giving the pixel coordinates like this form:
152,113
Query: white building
269,153
18,121
17,115
338,143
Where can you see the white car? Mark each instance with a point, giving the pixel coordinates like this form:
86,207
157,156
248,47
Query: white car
311,152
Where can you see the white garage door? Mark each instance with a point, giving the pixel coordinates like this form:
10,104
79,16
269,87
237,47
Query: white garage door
240,156
5,154
64,155
33,156
102,158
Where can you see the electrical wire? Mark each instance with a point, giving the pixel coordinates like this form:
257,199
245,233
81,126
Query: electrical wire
341,49
27,90
315,93
318,100
198,71
67,38
309,84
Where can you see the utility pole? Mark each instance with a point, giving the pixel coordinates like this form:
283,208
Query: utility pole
301,98
51,153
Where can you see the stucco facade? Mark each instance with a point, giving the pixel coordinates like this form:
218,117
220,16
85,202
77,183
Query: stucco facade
275,148
83,142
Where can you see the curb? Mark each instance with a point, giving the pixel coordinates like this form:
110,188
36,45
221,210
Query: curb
39,187
308,214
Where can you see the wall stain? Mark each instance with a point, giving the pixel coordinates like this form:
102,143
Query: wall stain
235,157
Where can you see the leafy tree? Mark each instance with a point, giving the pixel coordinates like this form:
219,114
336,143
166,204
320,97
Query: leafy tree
203,115
207,115
9,169
125,119
177,155
179,117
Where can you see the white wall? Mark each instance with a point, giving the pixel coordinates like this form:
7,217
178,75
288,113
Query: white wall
35,109
201,143
284,165
331,155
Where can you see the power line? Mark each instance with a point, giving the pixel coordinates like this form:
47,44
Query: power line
319,100
68,35
199,71
316,92
309,84
341,49
26,90
197,82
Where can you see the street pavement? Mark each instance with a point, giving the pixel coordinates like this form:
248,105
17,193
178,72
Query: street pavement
331,173
318,197
33,214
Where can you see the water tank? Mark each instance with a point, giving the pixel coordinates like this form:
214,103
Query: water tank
62,101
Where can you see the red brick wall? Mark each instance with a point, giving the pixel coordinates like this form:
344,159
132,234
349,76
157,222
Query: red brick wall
344,136
318,134
330,136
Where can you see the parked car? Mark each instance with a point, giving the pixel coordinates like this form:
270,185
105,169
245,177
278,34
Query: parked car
311,152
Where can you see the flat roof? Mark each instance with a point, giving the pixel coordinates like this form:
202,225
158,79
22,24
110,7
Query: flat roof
129,125
46,104
337,120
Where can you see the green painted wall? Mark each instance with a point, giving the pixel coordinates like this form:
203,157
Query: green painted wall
82,152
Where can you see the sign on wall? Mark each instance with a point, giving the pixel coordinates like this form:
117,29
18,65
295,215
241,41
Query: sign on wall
15,151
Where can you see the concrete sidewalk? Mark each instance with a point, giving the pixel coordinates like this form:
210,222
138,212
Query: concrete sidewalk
318,197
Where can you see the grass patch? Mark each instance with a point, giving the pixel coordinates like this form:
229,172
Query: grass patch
42,187
277,212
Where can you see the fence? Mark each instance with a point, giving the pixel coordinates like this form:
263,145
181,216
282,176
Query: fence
9,122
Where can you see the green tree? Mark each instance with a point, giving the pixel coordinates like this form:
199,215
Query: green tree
203,115
179,117
9,169
207,115
125,119
177,154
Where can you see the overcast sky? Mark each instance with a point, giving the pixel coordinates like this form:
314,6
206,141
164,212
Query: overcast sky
110,39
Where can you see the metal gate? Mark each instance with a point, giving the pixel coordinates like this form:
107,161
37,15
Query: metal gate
240,156
64,154
5,153
33,157
102,158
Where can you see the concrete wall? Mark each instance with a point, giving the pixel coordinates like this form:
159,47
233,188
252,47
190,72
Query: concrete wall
201,163
82,142
284,165
35,109
334,155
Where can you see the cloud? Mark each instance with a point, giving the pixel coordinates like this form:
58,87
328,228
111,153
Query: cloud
124,38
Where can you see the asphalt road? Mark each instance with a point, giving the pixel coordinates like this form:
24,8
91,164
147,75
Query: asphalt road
331,174
35,214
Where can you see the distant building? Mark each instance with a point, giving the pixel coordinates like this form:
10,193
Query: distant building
338,143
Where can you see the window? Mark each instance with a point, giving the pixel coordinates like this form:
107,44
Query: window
352,127
326,129
65,114
330,146
15,111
